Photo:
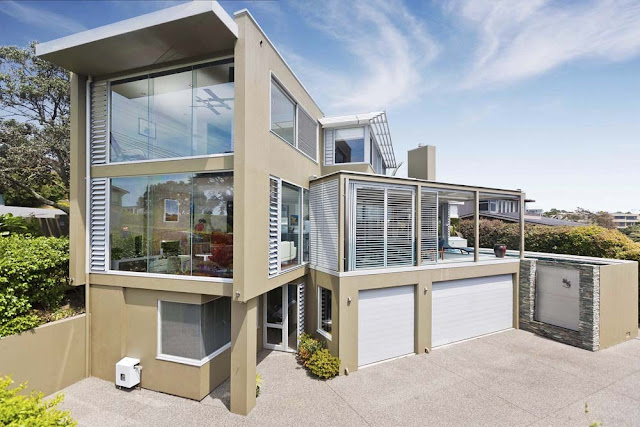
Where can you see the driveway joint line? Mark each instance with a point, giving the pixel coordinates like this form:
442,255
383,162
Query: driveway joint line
347,403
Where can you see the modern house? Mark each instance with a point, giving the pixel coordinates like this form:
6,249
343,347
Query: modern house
625,219
217,211
507,211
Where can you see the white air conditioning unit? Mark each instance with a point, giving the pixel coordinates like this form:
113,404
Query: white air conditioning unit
128,372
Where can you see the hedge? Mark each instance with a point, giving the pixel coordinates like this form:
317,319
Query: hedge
33,274
590,241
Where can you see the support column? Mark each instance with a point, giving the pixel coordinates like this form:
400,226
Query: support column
476,226
243,355
522,212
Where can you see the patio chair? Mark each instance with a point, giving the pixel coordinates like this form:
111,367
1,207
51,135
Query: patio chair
124,154
444,246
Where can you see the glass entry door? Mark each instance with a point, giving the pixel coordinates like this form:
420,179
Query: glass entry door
281,314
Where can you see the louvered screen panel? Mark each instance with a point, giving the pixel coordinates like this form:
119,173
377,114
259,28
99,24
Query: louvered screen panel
429,226
399,228
369,228
98,224
323,222
307,134
99,124
328,147
301,303
274,229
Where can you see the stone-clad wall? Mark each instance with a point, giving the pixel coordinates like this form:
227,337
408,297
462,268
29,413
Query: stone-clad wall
587,336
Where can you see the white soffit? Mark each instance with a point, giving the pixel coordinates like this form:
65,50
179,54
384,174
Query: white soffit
191,29
379,126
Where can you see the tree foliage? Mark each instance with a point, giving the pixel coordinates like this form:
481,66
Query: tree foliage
34,127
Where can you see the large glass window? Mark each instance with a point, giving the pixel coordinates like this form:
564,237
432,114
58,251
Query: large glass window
349,145
194,333
181,113
283,114
290,225
173,224
325,324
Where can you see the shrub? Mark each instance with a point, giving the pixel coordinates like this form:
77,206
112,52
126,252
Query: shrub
33,273
10,224
591,241
307,346
32,410
323,364
19,324
259,383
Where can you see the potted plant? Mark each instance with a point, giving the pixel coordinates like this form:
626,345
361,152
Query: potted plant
500,250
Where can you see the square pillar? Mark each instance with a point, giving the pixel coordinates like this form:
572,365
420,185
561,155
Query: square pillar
243,355
476,226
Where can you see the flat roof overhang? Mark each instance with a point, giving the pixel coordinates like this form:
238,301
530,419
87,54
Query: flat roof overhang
192,29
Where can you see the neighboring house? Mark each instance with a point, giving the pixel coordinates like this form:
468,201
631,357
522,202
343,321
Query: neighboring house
225,213
505,210
52,222
625,219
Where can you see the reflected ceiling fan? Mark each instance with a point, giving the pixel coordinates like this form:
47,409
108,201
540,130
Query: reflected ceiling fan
213,102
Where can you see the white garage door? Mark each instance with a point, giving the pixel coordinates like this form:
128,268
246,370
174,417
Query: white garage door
468,308
385,323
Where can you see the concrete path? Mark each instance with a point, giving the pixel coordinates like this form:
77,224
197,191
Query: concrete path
511,378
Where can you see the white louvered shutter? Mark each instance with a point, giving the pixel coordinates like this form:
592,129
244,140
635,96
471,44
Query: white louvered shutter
274,225
429,226
323,223
328,147
301,303
307,134
369,228
98,224
99,124
400,229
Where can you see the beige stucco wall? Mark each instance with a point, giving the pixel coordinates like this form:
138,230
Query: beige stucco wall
50,357
259,154
344,342
421,163
618,303
77,188
124,322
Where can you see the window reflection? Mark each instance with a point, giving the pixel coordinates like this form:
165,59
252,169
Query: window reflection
283,113
349,145
290,226
173,224
188,112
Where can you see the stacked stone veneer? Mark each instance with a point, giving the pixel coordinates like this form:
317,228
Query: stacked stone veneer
588,335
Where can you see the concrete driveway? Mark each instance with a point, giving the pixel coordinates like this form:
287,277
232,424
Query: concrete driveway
511,378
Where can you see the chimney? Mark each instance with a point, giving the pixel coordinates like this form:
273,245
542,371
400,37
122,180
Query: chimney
421,163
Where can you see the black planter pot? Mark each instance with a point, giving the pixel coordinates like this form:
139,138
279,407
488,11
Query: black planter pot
500,250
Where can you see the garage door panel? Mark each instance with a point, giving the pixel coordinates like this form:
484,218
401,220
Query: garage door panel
464,309
385,323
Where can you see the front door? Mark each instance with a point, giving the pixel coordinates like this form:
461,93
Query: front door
282,311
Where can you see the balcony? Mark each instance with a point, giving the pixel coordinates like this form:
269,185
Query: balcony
400,222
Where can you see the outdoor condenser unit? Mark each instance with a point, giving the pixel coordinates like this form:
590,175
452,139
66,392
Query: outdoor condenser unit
128,372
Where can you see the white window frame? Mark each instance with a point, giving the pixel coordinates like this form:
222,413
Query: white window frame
284,327
275,80
319,329
178,359
367,153
107,256
301,263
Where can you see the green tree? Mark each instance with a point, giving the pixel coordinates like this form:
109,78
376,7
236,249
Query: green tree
34,127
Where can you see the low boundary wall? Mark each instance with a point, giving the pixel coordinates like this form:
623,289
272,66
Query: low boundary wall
49,357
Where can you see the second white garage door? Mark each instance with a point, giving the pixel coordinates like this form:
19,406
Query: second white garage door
385,323
468,308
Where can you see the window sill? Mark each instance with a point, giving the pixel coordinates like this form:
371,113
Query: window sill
324,333
203,156
165,276
290,269
193,362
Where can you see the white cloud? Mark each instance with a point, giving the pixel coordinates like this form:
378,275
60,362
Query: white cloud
526,38
390,45
39,17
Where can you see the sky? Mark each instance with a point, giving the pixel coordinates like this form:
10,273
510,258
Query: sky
539,95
